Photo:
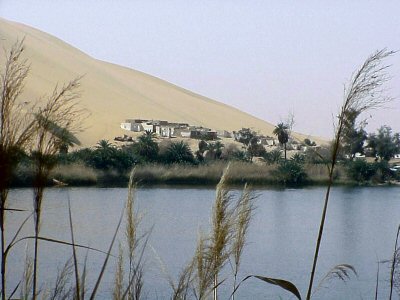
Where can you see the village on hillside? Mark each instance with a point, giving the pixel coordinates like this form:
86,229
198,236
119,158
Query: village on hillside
169,130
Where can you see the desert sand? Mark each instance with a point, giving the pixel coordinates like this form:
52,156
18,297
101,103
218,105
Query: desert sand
112,93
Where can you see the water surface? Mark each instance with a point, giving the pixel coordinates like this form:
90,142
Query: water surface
360,230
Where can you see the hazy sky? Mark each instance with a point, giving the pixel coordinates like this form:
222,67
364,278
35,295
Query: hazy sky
268,58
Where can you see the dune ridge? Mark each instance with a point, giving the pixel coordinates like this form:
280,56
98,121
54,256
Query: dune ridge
113,93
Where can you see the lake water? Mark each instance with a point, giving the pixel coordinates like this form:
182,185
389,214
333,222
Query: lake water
360,230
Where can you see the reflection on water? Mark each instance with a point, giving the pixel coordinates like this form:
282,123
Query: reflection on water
360,229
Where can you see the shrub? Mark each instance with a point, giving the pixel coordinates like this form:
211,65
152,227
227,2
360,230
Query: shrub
290,172
273,157
178,152
360,170
298,158
382,172
233,153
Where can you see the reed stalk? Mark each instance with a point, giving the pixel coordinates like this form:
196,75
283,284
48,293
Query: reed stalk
26,281
222,231
55,122
61,288
394,263
119,276
364,92
131,231
15,134
136,244
244,210
74,256
229,223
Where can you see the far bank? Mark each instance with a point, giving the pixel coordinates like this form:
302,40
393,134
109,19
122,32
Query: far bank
280,174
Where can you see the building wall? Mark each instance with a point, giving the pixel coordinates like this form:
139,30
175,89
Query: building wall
137,127
126,126
148,127
224,133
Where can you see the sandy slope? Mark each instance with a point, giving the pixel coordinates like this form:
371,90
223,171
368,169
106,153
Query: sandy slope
113,93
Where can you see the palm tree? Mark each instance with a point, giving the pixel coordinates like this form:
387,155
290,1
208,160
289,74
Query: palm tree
105,147
281,131
179,152
273,157
215,149
103,154
146,147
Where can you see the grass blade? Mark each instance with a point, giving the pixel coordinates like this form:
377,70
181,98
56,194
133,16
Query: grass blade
14,290
17,233
56,242
147,236
14,209
73,250
394,264
284,284
377,283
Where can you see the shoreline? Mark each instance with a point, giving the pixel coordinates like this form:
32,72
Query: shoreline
190,176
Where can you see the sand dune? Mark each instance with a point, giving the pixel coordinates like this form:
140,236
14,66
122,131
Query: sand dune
113,93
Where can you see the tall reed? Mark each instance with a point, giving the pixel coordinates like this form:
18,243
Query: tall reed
55,122
26,281
364,92
229,224
16,131
136,243
244,212
119,276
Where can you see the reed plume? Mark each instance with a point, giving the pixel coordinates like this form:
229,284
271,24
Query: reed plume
55,123
244,211
16,131
26,282
136,243
230,220
365,91
119,276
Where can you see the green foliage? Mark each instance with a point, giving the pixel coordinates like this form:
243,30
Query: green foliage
250,140
244,136
105,157
273,157
382,172
255,149
353,140
318,156
146,147
233,153
384,144
308,142
239,156
202,146
209,151
298,158
282,132
82,155
360,170
290,172
178,152
199,156
102,156
215,149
